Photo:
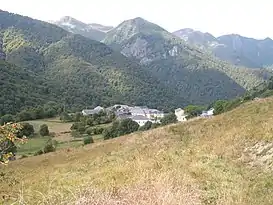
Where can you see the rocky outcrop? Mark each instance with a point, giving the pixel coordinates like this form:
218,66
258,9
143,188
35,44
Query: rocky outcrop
2,54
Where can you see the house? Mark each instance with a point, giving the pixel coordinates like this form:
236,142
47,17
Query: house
208,113
154,114
135,111
141,120
98,108
180,114
92,111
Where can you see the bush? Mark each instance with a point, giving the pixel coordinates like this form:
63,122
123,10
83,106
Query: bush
155,125
98,130
44,130
88,140
169,119
119,128
27,130
127,126
50,146
80,127
89,131
40,152
146,126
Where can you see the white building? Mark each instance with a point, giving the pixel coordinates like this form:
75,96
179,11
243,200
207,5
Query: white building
141,120
180,114
136,111
208,113
154,114
92,111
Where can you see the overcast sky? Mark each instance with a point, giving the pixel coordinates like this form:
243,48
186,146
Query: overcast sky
250,18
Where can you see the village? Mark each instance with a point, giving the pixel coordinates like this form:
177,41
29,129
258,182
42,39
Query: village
142,114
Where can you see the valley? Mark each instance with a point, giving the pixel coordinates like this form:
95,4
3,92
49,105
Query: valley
133,114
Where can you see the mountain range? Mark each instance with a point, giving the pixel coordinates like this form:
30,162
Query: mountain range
137,62
236,49
233,48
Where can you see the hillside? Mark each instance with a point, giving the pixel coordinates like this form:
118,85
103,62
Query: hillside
20,89
92,31
236,49
223,160
195,74
77,71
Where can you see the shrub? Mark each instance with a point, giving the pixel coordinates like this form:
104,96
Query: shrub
146,126
98,130
40,152
44,130
155,125
127,126
89,131
88,140
50,146
27,130
169,119
80,127
119,128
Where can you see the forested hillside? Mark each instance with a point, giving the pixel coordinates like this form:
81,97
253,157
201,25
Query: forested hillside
197,75
75,70
20,89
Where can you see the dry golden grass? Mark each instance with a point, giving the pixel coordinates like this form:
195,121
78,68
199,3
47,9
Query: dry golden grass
206,161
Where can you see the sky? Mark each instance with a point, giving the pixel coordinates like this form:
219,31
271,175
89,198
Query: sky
249,18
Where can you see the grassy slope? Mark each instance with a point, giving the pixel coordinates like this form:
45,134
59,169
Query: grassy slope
204,161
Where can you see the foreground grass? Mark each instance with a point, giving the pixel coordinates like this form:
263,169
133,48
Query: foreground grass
206,161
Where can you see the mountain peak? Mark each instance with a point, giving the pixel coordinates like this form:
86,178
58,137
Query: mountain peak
130,28
92,31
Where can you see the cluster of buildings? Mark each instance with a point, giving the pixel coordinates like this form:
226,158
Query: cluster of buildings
139,114
142,114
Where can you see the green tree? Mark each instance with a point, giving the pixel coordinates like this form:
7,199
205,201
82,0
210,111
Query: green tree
50,146
44,130
194,110
112,131
88,140
127,126
146,126
27,130
6,118
155,125
77,117
220,106
169,119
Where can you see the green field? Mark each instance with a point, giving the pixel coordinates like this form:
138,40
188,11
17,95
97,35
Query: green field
62,136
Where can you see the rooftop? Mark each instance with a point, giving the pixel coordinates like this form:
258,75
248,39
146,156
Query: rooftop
139,117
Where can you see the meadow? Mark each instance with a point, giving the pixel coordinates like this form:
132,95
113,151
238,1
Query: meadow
225,160
61,132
